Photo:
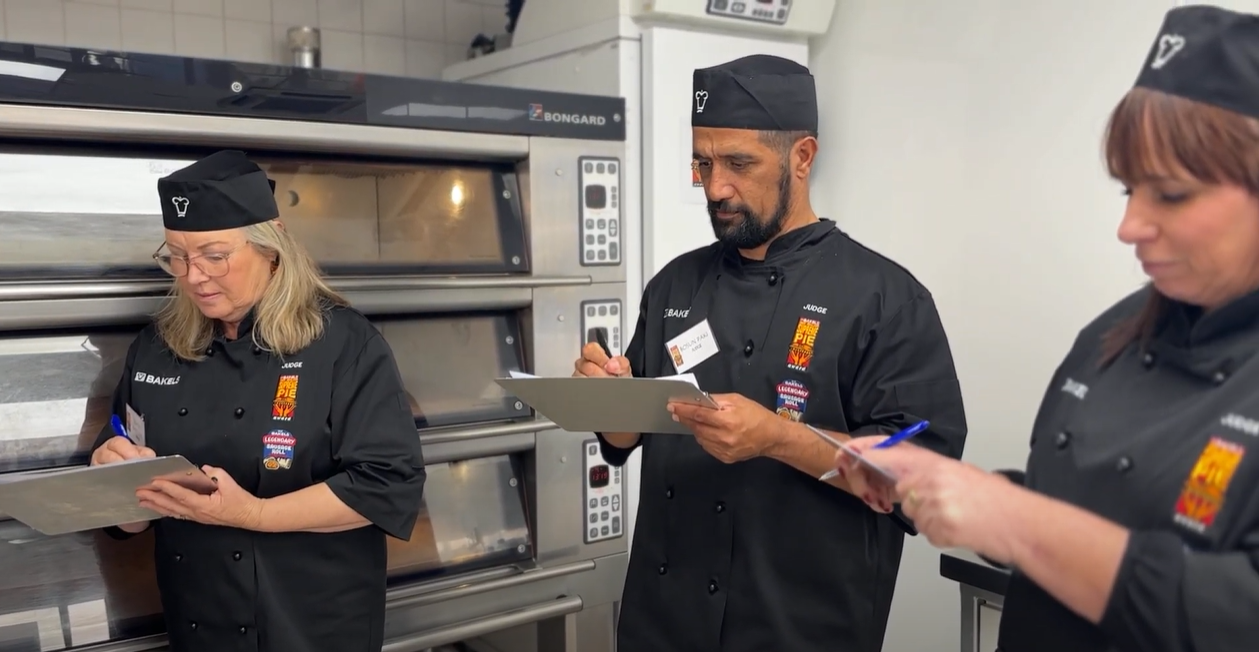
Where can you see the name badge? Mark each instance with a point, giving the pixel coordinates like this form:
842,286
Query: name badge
692,347
135,426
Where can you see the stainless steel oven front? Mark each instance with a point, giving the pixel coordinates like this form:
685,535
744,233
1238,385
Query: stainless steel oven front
474,254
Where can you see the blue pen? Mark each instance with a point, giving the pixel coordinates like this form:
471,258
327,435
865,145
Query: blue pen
118,429
903,435
890,441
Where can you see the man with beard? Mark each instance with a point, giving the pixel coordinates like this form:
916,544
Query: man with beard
786,320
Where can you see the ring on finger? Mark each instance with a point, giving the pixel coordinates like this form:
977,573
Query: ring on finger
912,498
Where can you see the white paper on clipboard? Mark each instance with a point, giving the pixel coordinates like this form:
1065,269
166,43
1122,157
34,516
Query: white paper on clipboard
851,452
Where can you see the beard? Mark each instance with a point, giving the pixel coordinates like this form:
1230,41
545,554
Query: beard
748,230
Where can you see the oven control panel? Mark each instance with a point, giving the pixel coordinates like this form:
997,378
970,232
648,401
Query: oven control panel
602,317
604,516
599,190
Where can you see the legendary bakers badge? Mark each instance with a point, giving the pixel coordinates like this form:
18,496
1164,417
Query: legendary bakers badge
793,397
1202,496
285,399
801,351
277,450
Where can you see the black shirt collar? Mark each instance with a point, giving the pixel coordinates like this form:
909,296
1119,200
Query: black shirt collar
1208,344
243,329
786,247
1188,326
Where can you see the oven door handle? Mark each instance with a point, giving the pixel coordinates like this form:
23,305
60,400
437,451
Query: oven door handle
481,626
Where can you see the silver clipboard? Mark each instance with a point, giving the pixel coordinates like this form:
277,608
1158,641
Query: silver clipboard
637,405
62,501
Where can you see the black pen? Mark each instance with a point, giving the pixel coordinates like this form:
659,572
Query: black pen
603,342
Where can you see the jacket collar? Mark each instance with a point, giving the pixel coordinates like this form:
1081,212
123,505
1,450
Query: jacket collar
1209,344
786,249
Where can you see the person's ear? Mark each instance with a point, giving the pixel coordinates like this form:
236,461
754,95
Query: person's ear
803,156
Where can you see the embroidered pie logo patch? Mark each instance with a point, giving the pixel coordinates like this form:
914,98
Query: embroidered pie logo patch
285,402
1202,496
800,353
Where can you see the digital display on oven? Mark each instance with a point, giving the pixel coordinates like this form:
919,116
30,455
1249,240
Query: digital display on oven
599,476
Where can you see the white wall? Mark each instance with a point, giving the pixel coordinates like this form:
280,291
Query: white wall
963,139
416,38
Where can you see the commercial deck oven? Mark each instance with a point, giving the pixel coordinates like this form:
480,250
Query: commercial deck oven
479,228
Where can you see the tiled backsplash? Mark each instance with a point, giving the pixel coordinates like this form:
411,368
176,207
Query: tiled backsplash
417,38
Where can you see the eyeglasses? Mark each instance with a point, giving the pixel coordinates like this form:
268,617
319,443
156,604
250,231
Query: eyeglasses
213,265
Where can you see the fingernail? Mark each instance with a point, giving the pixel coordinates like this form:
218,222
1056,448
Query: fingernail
842,473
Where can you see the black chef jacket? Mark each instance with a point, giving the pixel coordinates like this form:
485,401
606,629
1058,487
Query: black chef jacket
757,555
1165,442
334,413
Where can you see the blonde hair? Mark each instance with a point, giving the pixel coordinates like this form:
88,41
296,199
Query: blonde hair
287,319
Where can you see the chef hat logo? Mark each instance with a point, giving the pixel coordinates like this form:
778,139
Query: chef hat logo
1168,46
181,205
701,98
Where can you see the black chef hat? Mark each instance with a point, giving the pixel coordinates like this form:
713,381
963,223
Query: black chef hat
758,92
224,190
1207,54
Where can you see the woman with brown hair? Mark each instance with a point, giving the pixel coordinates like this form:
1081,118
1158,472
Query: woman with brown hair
1136,525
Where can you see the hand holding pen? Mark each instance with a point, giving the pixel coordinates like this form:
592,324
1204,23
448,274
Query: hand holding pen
597,360
851,453
119,447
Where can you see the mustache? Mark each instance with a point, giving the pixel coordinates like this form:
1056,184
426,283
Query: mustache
725,207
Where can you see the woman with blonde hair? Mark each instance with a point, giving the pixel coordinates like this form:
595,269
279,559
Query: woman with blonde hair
291,402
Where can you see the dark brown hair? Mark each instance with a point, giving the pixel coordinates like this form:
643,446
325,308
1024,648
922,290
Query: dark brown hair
1154,134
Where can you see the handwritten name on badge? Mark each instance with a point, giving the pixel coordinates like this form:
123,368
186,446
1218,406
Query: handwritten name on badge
692,347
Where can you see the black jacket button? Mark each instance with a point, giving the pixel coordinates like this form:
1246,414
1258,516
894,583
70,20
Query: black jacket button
192,625
720,507
1147,360
1124,464
179,557
747,348
243,629
236,556
664,568
210,352
183,412
1062,440
1219,377
773,278
668,493
240,412
712,587
257,350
